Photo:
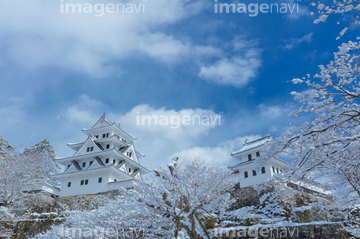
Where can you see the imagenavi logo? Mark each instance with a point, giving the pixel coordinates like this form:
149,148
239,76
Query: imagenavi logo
254,9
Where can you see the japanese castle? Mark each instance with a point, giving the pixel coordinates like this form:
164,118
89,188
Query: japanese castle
246,171
107,160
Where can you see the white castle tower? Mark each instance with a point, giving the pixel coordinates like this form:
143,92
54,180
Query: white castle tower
107,160
246,171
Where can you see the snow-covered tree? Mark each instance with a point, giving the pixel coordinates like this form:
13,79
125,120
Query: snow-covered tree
187,192
82,202
326,148
6,171
5,148
6,230
349,8
30,168
176,201
125,215
273,205
44,153
99,201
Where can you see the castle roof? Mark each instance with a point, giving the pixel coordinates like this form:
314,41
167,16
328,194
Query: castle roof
107,153
249,145
103,124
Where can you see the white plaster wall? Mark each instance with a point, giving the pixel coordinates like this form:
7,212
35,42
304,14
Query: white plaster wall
92,187
254,180
244,156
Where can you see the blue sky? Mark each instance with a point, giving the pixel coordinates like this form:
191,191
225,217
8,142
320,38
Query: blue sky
61,72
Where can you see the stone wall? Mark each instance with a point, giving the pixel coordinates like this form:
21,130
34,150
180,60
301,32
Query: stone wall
23,229
66,201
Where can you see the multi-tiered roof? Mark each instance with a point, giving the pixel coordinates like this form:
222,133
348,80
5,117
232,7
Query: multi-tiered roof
108,156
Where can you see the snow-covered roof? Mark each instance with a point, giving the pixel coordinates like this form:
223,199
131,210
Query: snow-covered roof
248,145
311,187
104,153
273,159
92,171
242,164
111,127
102,122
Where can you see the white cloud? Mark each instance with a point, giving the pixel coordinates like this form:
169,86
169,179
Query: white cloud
240,44
83,112
11,115
236,71
218,155
271,111
162,142
165,48
41,36
159,142
75,114
274,117
207,51
299,11
156,141
297,41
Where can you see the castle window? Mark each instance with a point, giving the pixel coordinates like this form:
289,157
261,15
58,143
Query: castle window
273,168
100,180
90,149
84,164
254,173
108,146
257,154
115,180
246,174
86,181
97,136
236,171
91,162
82,182
129,170
237,185
107,160
249,157
69,166
277,170
263,170
114,161
69,184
